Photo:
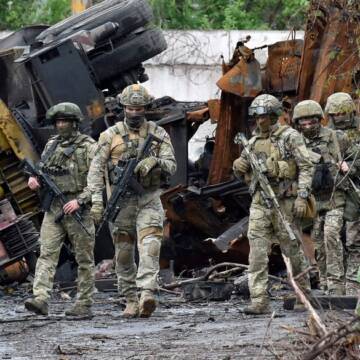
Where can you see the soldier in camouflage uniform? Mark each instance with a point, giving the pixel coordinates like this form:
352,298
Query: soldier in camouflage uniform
66,158
341,113
324,144
141,220
290,173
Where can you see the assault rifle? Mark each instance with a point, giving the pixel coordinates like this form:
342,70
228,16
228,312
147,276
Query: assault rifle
267,193
52,191
125,182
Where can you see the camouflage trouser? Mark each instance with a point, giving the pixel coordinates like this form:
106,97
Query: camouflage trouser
144,223
52,237
264,226
353,257
329,249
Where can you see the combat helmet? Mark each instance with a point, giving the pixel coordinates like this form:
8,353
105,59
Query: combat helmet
266,104
135,95
340,110
308,109
65,110
338,103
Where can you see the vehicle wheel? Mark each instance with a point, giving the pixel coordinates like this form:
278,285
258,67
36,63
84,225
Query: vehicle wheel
134,51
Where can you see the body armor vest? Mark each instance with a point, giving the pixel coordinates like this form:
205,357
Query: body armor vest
67,163
126,144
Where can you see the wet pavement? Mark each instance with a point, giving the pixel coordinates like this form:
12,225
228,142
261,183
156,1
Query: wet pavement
177,330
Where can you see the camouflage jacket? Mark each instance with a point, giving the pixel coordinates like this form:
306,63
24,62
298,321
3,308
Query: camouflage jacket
286,147
325,151
120,143
349,140
68,162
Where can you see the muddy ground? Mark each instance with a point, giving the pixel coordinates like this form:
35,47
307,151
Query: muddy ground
177,330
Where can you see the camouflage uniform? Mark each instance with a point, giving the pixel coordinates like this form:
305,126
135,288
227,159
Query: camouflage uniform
142,217
67,162
289,174
349,136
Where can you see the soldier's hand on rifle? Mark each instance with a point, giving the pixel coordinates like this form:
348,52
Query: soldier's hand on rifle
300,207
343,166
96,212
145,166
241,165
33,183
71,207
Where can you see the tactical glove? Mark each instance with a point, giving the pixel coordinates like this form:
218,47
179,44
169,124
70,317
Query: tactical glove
97,211
300,207
241,165
145,166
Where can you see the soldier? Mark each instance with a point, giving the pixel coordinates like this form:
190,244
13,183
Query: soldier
327,226
290,173
66,158
142,217
341,114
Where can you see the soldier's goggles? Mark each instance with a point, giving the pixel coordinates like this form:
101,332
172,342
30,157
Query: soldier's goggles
308,121
258,111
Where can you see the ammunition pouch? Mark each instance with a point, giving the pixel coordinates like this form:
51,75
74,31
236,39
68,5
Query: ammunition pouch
152,179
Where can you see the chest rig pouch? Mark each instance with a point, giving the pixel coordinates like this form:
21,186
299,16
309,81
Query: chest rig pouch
67,165
125,147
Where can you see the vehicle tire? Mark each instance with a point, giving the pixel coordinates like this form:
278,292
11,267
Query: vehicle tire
135,50
129,14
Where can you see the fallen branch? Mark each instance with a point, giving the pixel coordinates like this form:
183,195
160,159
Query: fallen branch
204,277
331,339
303,298
266,332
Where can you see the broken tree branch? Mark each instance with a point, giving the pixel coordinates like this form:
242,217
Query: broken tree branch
302,297
204,277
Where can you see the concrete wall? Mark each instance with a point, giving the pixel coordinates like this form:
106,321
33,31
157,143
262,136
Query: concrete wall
190,67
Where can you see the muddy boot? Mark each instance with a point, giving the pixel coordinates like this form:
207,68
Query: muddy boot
147,303
79,310
257,308
37,306
132,308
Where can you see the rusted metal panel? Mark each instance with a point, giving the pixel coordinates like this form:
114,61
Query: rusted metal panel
331,56
283,65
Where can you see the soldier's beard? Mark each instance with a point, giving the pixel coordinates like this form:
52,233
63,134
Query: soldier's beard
134,121
311,131
264,126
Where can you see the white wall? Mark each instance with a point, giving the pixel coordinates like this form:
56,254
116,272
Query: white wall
190,67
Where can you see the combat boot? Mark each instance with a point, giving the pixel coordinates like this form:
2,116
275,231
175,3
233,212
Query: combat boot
147,303
37,306
257,308
132,308
79,310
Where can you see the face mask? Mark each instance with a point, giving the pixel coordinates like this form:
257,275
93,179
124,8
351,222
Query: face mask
264,124
67,131
342,121
134,121
311,129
